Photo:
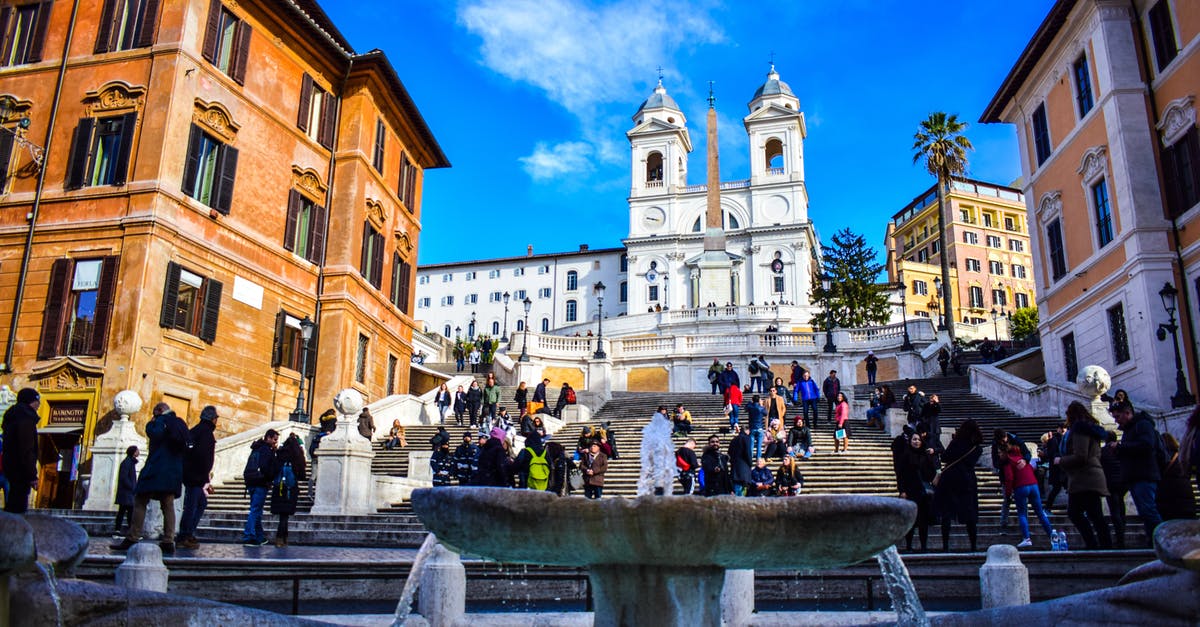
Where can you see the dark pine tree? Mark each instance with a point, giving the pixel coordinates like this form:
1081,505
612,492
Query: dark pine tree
854,297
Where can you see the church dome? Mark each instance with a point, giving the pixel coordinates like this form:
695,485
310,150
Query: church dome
659,100
773,86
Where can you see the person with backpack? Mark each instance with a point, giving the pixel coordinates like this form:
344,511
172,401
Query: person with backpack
566,396
259,474
285,493
714,375
441,463
1143,457
161,478
197,474
688,464
532,466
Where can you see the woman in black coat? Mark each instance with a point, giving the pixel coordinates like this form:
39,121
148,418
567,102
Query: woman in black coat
284,492
126,479
741,459
916,464
957,492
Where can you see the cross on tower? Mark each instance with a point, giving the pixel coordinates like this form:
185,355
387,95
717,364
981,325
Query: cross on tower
660,73
772,61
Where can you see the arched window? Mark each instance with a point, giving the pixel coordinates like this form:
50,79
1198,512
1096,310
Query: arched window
446,330
572,280
495,328
654,167
520,325
624,291
545,325
572,311
728,221
624,263
774,154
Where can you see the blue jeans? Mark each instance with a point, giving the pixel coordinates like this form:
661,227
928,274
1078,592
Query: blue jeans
764,383
1144,493
253,531
733,416
756,438
871,376
808,408
1030,494
194,503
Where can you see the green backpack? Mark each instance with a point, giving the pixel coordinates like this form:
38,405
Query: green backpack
539,471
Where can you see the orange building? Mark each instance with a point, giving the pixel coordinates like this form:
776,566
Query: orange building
183,184
1103,99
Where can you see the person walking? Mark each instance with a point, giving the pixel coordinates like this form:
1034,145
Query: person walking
466,456
289,459
729,377
765,375
733,404
161,479
1001,440
460,405
757,419
810,396
197,477
1139,452
1020,480
1086,486
943,359
830,388
916,465
1116,488
21,450
841,416
956,491
442,400
474,400
126,480
872,367
366,424
714,375
475,358
491,396
521,398
913,404
794,381
931,415
259,475
1051,451
595,465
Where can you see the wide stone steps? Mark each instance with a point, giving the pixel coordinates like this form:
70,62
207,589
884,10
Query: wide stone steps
232,497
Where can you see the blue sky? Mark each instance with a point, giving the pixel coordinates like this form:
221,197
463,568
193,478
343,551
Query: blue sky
530,100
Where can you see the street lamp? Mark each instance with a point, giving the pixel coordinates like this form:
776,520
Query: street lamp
996,315
457,332
598,290
943,319
902,288
1183,397
829,345
306,332
504,338
528,304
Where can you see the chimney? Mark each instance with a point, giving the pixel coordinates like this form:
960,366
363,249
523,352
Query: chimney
583,248
529,250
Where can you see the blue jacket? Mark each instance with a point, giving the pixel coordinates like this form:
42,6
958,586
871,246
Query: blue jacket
163,472
761,475
809,390
728,378
756,413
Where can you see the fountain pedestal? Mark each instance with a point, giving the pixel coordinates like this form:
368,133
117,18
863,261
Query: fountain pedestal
657,595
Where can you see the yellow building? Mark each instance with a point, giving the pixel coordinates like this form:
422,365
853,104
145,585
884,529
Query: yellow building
988,242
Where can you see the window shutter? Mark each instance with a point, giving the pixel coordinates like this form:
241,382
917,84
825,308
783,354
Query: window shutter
170,304
277,349
227,171
316,243
1171,182
6,146
293,215
81,145
56,298
395,283
125,149
380,143
410,195
145,37
310,368
329,107
192,162
212,32
39,38
1191,167
105,31
306,90
401,184
5,13
363,268
104,305
377,262
212,310
405,286
241,53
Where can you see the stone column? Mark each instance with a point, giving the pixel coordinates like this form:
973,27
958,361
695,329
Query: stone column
143,569
443,587
109,451
344,463
737,598
599,381
1003,579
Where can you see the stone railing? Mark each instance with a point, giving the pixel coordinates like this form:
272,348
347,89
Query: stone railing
231,452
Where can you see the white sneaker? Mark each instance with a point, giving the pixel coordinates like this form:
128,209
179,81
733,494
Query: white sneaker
1024,543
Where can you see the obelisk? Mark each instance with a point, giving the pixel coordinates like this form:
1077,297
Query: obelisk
716,268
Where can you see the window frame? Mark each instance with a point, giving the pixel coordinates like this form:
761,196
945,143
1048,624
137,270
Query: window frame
136,33
1057,254
571,310
1102,212
304,213
220,18
1070,357
1163,38
28,48
371,255
1181,173
975,297
55,339
1118,333
317,112
974,265
1081,75
221,158
86,142
1040,127
205,312
379,154
400,293
572,281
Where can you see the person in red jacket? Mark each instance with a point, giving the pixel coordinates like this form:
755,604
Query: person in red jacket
733,401
1020,481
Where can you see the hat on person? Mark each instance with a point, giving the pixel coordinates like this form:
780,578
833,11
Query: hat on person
208,413
499,433
28,395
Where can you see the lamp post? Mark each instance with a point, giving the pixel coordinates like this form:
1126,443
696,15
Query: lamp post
598,290
996,315
528,304
504,338
829,345
902,288
943,319
457,332
306,331
1183,397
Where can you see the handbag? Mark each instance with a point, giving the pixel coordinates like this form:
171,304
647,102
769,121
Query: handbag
937,477
575,478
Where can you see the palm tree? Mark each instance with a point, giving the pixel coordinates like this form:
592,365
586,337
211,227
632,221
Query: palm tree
940,142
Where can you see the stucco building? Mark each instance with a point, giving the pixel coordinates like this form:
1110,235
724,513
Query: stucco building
184,183
1103,100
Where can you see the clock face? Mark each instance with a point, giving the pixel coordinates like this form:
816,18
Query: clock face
654,218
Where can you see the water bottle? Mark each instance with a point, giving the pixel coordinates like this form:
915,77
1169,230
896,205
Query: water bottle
1055,542
1062,541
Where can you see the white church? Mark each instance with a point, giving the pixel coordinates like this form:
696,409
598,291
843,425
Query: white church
766,244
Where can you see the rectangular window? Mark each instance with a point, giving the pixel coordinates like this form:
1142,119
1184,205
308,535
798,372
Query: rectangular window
380,143
624,292
1041,134
996,267
23,32
1083,85
318,112
289,344
920,288
923,255
423,303
492,274
1016,245
935,247
360,359
391,374
1070,361
1181,173
448,277
494,297
1010,224
1117,333
987,219
1054,246
993,241
976,296
778,280
1018,271
79,305
126,24
210,170
423,279
544,292
543,269
304,232
652,296
471,299
970,237
401,286
447,301
572,311
1104,227
100,151
1021,300
999,298
973,265
226,42
371,260
469,276
965,215
407,187
518,271
191,303
1162,31
519,295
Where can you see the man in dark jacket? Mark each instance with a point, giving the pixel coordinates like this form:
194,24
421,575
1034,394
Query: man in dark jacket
126,480
715,465
493,463
1139,452
21,450
830,388
913,404
728,377
741,459
259,474
474,401
466,456
441,463
161,478
197,471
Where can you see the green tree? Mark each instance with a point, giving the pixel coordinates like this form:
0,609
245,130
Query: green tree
854,298
1024,323
940,143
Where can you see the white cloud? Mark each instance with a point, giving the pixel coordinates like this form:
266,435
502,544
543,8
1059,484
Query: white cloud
550,162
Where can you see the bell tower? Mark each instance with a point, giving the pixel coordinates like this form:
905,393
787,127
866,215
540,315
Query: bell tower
659,145
776,128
